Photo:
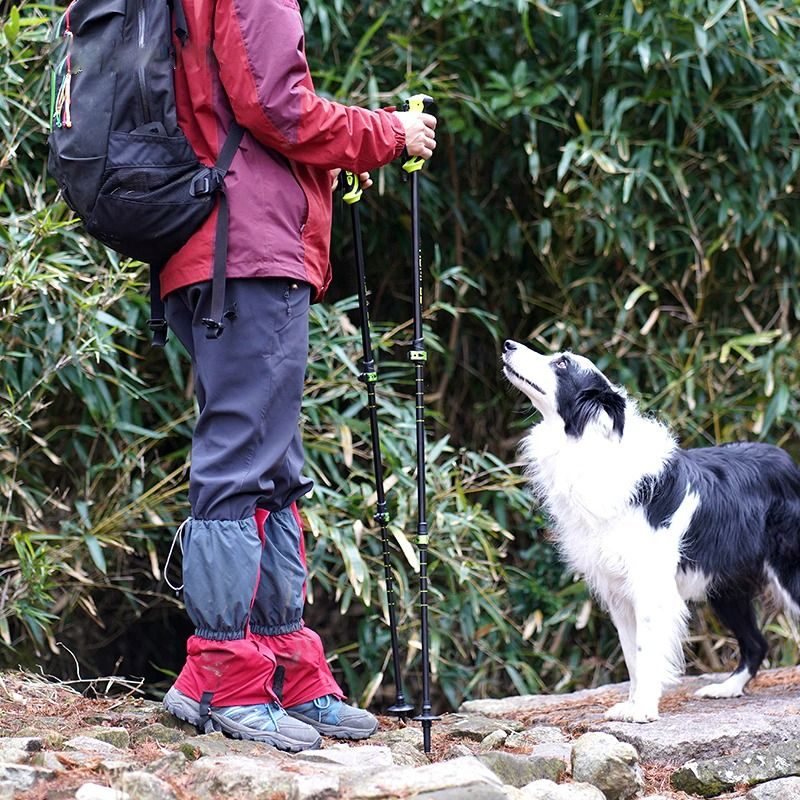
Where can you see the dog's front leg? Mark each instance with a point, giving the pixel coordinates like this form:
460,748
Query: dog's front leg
660,621
623,616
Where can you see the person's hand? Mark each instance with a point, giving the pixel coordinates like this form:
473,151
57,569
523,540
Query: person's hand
364,179
420,133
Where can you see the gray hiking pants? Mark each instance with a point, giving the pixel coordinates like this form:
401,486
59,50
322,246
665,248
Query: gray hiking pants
244,565
247,451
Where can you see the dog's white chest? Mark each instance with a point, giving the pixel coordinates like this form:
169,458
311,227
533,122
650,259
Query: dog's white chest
614,550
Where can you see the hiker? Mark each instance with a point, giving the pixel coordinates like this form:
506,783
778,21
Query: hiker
253,669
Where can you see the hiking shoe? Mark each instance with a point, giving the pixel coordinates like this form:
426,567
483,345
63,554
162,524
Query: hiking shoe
331,717
265,722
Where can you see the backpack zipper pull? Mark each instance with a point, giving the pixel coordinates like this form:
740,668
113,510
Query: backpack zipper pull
67,99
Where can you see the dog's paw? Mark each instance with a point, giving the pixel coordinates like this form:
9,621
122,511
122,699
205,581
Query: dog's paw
718,691
630,712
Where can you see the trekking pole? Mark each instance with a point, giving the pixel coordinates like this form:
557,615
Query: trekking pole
369,376
419,356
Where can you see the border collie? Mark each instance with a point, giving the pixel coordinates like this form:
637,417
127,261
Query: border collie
652,526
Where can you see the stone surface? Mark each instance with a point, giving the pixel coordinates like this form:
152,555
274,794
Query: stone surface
162,734
540,703
557,756
28,744
96,791
610,765
518,770
367,757
492,741
475,726
51,737
547,790
9,756
406,755
317,787
712,727
782,789
21,777
215,744
539,734
119,737
144,786
409,735
168,764
466,777
132,713
163,717
466,793
512,754
93,745
457,751
257,779
47,759
713,776
111,762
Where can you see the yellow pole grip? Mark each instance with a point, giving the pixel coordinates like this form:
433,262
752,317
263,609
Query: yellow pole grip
351,186
419,103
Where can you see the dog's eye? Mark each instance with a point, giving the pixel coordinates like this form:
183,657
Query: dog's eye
562,363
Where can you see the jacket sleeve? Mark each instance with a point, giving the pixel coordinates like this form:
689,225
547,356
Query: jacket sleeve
259,45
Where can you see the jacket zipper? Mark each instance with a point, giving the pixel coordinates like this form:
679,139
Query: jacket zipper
142,20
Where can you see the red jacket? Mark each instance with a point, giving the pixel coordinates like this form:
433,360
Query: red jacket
245,59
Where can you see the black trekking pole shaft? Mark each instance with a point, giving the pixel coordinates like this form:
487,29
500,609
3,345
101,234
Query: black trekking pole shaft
418,355
369,376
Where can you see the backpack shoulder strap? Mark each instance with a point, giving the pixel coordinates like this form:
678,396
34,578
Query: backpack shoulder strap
205,182
181,27
214,324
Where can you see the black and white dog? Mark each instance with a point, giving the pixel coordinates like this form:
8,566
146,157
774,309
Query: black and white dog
652,526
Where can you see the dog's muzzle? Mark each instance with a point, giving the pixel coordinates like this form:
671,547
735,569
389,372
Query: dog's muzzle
508,348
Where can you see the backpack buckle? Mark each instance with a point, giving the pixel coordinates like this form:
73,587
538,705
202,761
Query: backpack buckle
213,328
159,329
206,182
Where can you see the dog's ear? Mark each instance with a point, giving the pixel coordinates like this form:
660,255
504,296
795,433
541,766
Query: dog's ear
590,402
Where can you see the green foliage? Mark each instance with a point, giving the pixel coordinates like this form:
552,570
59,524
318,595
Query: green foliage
616,177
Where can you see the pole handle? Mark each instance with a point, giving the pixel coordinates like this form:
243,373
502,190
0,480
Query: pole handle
420,103
350,186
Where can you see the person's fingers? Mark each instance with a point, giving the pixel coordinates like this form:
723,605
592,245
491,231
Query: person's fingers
420,130
365,180
429,120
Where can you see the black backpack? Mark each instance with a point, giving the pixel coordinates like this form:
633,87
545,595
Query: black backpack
120,159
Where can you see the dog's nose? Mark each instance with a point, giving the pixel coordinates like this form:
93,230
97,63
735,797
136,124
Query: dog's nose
508,346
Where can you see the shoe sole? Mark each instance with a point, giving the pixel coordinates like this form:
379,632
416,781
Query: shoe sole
334,731
187,710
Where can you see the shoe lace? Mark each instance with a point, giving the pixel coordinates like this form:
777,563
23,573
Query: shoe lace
323,704
178,537
275,712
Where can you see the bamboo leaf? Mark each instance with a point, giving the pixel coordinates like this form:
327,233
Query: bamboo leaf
723,9
96,552
643,48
